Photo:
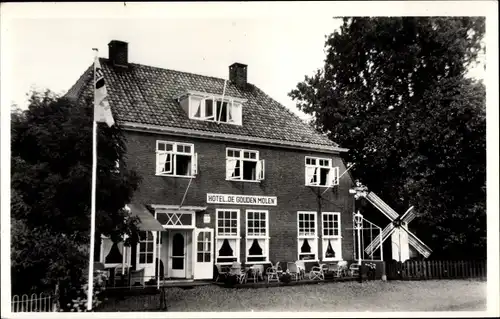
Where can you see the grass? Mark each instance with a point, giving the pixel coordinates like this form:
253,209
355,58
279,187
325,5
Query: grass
429,295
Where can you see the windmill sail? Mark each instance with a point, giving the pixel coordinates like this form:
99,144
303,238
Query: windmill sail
418,244
375,244
382,206
408,216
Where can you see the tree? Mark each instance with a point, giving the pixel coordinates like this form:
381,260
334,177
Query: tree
51,156
394,91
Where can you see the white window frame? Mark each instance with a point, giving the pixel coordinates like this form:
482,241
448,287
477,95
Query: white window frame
312,171
312,239
233,109
146,252
249,238
336,238
232,162
174,219
231,237
170,157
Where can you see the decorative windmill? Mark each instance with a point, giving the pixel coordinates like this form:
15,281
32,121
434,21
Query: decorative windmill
398,228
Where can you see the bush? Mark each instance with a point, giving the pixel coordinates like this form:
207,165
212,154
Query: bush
78,295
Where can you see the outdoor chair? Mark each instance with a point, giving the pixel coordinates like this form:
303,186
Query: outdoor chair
317,272
273,272
278,268
222,272
302,268
238,272
137,276
293,270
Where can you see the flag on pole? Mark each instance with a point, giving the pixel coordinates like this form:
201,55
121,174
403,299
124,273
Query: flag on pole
102,109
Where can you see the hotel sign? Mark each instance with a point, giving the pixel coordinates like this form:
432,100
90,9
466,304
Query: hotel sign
241,199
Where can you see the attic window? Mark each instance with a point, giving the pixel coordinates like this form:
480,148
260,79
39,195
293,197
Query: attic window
213,108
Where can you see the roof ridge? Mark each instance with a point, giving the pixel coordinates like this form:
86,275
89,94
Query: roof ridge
172,70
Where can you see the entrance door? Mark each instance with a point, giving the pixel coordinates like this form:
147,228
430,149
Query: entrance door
178,254
146,253
204,256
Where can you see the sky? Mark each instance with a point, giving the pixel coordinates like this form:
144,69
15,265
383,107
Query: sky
53,52
48,46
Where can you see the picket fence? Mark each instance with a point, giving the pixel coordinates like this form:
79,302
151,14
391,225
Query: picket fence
34,303
436,269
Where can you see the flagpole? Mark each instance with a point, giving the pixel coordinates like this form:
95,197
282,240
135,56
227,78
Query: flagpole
92,209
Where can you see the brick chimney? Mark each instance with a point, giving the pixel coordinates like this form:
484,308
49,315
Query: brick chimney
118,53
238,74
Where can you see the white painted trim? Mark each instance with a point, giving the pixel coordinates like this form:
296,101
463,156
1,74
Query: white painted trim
332,169
265,237
179,176
229,237
207,95
241,158
176,131
176,207
339,237
173,153
237,222
340,227
314,237
184,212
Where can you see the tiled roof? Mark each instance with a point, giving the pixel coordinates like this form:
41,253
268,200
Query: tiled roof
146,95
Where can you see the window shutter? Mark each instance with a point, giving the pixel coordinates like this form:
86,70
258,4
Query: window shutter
163,163
209,111
236,113
231,165
261,170
194,164
311,175
334,172
195,106
230,117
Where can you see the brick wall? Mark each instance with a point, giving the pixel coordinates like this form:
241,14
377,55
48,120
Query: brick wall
284,178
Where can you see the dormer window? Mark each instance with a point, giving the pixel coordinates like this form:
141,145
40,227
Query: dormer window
214,108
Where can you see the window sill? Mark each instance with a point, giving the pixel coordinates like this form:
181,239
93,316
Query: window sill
256,263
181,176
227,263
323,186
309,260
243,180
202,120
332,259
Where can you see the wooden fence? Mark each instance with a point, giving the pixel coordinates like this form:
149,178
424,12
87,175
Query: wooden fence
436,269
33,303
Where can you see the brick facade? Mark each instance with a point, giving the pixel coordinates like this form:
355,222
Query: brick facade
284,178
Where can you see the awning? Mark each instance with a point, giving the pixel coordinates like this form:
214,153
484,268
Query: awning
146,220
